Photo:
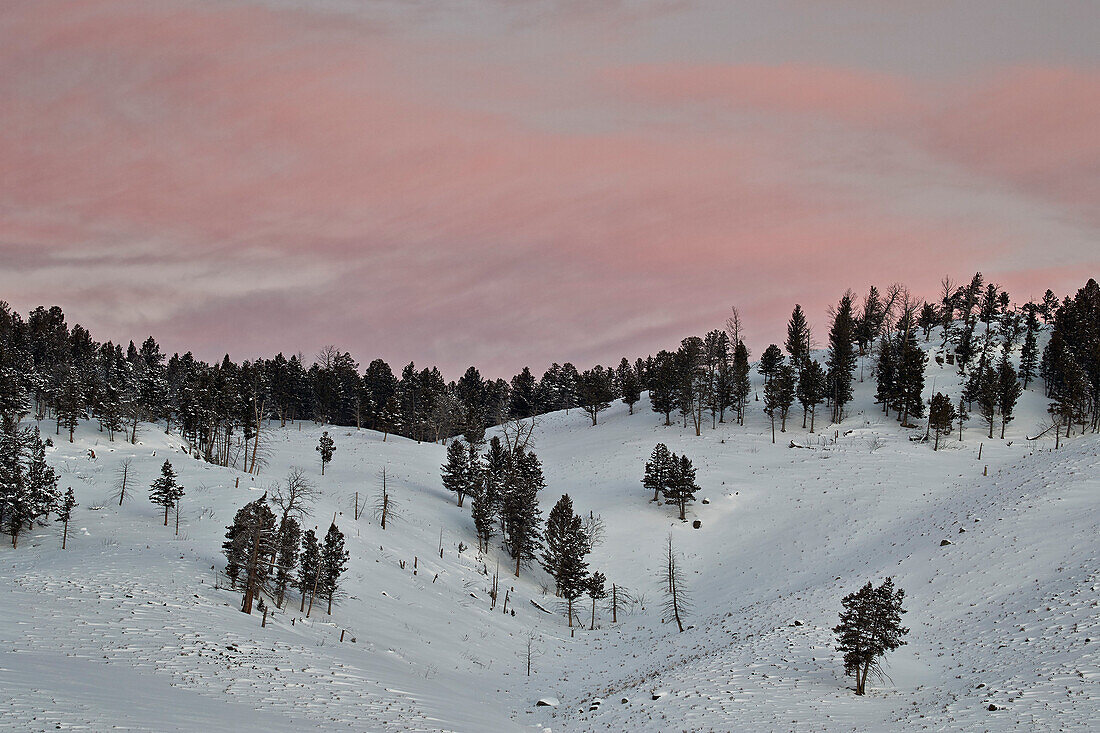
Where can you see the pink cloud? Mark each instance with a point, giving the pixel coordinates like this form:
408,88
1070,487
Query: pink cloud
244,179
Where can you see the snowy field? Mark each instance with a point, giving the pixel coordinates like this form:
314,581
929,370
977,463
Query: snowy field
128,629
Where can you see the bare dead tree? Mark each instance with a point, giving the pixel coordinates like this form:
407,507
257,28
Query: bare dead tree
594,529
531,651
517,433
293,496
677,601
733,325
618,600
122,479
385,508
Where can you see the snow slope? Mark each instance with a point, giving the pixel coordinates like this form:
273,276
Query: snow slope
127,628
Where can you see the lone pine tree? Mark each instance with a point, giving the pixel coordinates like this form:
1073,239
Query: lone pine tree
870,626
65,513
326,447
166,491
456,471
334,561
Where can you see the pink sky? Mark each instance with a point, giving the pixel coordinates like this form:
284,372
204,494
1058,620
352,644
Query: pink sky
524,182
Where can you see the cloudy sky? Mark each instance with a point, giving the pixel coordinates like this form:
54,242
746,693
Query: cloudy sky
510,182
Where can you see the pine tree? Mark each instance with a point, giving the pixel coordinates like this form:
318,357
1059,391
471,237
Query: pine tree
520,508
779,395
29,491
927,319
811,390
798,338
742,387
290,537
987,394
870,626
250,543
910,371
770,361
680,485
334,561
842,359
566,544
456,472
663,385
326,447
594,392
596,588
70,402
64,514
1029,354
941,417
166,491
309,566
657,470
886,391
629,384
1008,391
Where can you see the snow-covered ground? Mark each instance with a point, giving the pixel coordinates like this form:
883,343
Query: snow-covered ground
126,629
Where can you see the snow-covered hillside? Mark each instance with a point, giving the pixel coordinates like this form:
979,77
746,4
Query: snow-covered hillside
127,628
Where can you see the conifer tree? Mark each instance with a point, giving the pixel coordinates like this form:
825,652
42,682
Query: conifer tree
70,402
910,371
250,542
64,514
870,626
566,544
680,485
1029,354
927,319
1008,391
663,385
811,390
886,391
309,566
779,395
456,472
596,588
770,361
742,387
290,537
334,561
166,491
326,447
798,338
594,392
629,384
657,470
29,491
941,417
842,359
519,506
987,394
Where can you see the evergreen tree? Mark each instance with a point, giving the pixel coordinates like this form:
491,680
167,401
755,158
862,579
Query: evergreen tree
663,385
770,361
524,402
456,472
1008,392
842,359
166,491
941,417
334,561
910,371
596,588
309,567
986,394
657,470
742,387
811,391
290,537
326,447
630,385
565,547
680,487
520,508
927,319
29,491
779,395
70,402
798,338
1029,354
870,626
886,391
250,543
65,513
594,392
